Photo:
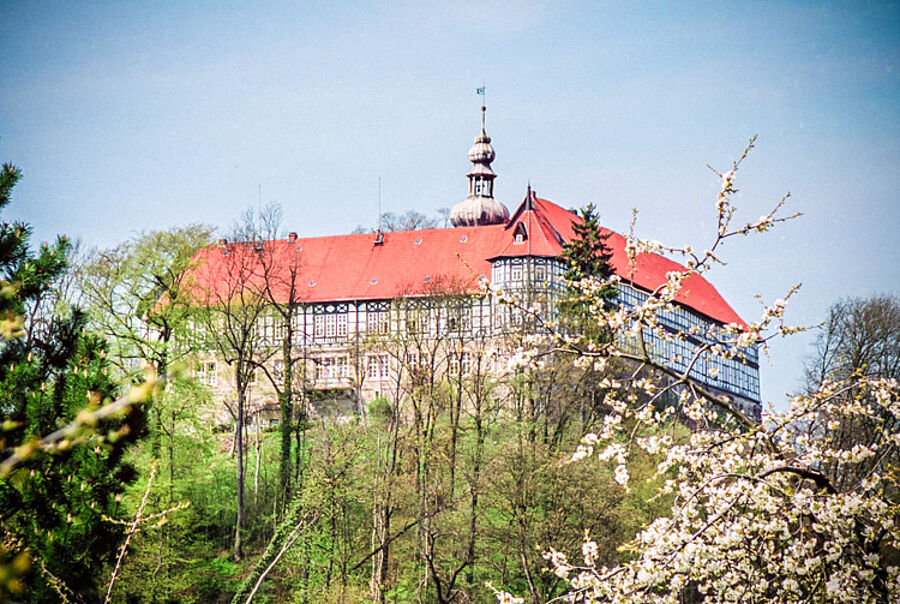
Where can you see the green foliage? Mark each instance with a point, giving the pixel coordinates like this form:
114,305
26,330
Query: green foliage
380,409
60,507
212,577
138,284
451,481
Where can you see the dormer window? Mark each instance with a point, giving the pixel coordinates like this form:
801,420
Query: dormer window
521,233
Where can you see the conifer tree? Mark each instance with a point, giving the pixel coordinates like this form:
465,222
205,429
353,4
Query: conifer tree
587,257
55,509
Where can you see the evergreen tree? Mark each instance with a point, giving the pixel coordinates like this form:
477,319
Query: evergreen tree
57,509
587,257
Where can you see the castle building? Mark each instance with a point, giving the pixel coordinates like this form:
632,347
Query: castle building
352,293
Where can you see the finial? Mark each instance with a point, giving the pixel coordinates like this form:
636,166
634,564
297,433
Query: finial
481,92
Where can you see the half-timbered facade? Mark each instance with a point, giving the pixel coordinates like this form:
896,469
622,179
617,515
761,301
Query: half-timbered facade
355,298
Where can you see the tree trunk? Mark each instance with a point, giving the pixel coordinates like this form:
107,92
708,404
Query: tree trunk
455,412
258,455
382,515
286,402
475,488
157,430
239,447
300,426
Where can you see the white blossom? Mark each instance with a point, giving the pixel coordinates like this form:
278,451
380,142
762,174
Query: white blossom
792,509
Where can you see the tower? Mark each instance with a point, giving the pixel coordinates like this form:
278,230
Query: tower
479,207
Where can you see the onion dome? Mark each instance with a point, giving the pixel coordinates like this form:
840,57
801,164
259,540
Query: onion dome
480,207
481,151
478,211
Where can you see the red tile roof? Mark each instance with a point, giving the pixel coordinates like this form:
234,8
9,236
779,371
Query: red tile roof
355,267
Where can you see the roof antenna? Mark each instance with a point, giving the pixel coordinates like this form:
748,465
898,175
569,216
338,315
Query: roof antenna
379,234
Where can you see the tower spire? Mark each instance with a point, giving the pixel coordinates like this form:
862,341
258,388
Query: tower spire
480,207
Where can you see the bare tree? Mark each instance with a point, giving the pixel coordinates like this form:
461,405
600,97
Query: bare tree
434,415
231,306
859,335
278,273
444,213
408,221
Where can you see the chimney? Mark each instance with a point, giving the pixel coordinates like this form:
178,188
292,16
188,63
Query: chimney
292,237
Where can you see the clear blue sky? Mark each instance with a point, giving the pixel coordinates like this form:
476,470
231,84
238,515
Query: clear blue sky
126,117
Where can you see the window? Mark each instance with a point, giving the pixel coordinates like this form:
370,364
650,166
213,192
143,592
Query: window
459,319
278,370
521,233
460,361
331,368
270,329
324,369
377,322
378,366
298,323
206,373
412,322
419,319
319,329
330,325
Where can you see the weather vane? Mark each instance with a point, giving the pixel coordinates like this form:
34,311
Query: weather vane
480,91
